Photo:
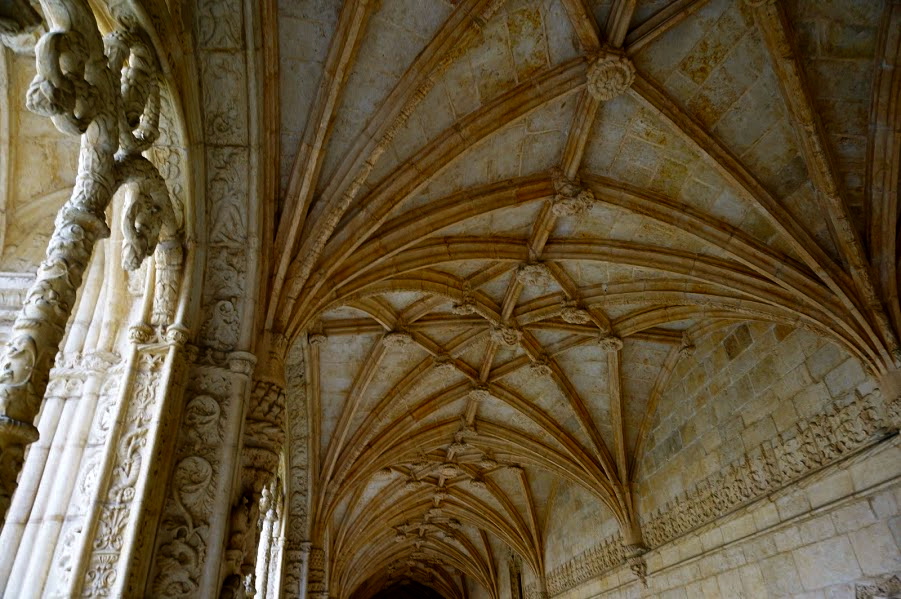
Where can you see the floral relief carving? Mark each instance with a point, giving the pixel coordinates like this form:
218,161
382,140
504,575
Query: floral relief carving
130,458
184,528
609,76
105,90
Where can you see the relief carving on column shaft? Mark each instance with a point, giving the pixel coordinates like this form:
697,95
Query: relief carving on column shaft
820,441
189,508
130,457
317,585
297,548
263,443
107,92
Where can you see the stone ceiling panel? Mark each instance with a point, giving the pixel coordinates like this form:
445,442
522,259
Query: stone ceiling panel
305,33
837,41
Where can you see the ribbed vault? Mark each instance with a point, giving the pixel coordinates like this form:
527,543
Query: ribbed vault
504,223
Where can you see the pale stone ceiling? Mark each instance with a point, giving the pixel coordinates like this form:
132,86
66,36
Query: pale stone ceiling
421,147
705,211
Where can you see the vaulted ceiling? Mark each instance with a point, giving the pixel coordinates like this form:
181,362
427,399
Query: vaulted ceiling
504,222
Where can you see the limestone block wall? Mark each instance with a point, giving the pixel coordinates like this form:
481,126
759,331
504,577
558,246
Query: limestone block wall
577,522
744,385
834,534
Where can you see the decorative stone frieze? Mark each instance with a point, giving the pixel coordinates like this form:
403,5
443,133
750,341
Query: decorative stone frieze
814,444
610,75
587,565
886,587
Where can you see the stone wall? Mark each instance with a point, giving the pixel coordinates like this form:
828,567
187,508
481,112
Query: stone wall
835,534
744,385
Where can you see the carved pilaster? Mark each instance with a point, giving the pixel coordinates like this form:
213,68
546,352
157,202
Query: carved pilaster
263,442
317,584
85,87
197,513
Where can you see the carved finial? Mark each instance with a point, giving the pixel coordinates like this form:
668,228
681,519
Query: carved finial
609,76
687,348
540,367
444,365
480,393
477,483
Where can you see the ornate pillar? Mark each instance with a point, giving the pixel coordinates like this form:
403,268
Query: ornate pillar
297,547
83,85
196,514
317,581
263,443
297,565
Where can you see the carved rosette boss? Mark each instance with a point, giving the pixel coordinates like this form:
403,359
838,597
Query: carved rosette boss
610,75
107,92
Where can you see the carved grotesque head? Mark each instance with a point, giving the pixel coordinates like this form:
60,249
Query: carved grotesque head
19,361
141,226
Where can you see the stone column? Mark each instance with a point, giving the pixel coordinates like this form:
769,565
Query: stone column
263,442
297,567
197,512
85,89
317,582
